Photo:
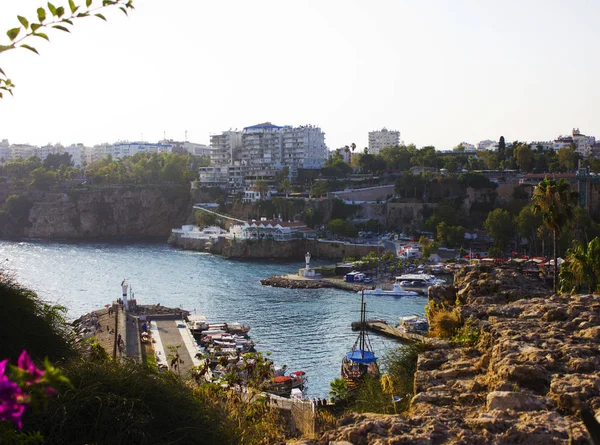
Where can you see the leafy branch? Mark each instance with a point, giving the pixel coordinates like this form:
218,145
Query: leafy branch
52,17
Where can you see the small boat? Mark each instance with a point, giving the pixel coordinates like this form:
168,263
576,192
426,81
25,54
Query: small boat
281,386
360,361
414,324
397,291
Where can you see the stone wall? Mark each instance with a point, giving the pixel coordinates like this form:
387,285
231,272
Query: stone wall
269,249
523,380
380,193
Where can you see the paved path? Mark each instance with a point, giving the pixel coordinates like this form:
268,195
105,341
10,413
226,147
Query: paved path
170,336
130,333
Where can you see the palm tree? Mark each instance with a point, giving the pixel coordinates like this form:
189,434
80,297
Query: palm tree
582,267
554,201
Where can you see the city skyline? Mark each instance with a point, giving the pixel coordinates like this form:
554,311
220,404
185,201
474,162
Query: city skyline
438,73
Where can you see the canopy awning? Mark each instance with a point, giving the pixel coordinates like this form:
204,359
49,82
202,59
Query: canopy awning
360,356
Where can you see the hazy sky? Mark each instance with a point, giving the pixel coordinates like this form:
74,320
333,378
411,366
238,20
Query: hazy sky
440,72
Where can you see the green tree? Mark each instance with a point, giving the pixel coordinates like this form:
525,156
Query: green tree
428,246
450,236
527,223
568,157
55,161
342,227
501,149
42,178
582,267
499,226
554,201
285,186
524,157
318,189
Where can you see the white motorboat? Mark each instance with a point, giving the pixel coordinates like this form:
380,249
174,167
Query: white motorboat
414,324
396,291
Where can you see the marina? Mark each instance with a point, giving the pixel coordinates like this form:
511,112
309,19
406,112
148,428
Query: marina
306,329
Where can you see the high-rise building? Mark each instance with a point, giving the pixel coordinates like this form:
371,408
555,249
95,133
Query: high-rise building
260,149
380,139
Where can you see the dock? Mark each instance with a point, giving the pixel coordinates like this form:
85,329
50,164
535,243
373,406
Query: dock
384,328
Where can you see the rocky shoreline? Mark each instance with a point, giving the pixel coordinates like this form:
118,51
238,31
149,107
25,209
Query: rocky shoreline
535,363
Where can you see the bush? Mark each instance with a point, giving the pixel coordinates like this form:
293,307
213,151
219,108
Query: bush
443,323
401,365
26,322
124,403
468,334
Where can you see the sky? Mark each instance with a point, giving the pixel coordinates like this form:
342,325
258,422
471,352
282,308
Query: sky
440,72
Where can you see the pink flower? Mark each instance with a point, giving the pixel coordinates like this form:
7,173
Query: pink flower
26,364
13,401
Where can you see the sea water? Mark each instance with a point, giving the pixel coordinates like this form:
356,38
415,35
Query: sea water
306,329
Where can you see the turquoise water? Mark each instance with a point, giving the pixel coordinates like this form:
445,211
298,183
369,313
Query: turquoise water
306,329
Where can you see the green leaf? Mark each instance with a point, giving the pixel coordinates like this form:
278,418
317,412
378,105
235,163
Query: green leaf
124,10
35,26
2,49
60,11
52,8
70,22
13,33
42,35
72,6
62,28
2,72
82,14
30,48
100,16
23,21
41,14
88,3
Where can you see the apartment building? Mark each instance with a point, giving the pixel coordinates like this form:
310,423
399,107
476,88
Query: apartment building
380,139
258,150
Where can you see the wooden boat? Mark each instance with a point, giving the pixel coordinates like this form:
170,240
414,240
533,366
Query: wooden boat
360,361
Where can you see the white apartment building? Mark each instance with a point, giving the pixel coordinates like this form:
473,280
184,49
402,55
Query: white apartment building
123,149
259,149
5,152
97,152
486,144
380,139
225,147
303,147
262,145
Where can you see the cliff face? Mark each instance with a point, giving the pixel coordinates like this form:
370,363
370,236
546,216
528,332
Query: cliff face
536,361
149,212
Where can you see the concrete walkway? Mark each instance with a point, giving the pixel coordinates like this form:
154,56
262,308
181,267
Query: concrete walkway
170,335
130,333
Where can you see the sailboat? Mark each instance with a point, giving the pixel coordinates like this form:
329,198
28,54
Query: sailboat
361,360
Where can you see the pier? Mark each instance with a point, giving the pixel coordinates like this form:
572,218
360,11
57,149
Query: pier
383,328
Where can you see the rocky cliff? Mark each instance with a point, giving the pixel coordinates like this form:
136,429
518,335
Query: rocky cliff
111,212
523,382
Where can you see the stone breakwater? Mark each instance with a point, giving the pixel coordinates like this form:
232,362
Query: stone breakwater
296,282
536,361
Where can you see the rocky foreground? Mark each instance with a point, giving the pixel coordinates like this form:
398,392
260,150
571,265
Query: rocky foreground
536,361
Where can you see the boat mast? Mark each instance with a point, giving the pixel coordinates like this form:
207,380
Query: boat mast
362,323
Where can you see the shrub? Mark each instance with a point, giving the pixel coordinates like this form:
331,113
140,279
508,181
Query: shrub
26,322
124,403
443,323
468,334
401,365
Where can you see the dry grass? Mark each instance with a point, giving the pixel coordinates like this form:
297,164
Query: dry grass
444,323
